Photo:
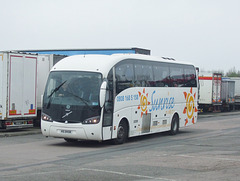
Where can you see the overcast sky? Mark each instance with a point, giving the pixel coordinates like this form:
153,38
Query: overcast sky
204,32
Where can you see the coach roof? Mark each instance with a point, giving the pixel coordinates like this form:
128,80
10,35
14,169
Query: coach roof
100,63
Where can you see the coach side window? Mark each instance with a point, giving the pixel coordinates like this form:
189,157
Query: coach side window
124,76
190,76
176,75
161,75
143,75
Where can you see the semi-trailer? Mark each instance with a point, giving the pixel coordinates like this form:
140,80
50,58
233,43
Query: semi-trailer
227,94
236,92
18,89
210,91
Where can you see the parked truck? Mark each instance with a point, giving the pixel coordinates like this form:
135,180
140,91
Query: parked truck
18,89
210,91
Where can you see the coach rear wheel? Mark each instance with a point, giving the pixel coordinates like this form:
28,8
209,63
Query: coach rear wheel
175,125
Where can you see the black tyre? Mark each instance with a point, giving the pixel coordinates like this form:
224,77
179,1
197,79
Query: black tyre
122,133
174,125
70,140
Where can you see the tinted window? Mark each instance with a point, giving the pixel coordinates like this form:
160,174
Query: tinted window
161,74
72,96
190,76
124,76
140,73
143,74
177,75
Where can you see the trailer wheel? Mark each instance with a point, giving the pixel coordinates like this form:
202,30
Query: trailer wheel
174,125
122,132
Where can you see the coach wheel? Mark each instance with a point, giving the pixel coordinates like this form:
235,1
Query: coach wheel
174,125
122,133
70,140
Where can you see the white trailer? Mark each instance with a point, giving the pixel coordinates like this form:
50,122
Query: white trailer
18,90
237,91
210,91
227,94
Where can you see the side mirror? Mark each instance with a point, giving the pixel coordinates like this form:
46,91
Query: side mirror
102,95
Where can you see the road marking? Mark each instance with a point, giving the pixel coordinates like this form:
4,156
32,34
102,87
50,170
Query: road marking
205,157
88,169
126,174
29,174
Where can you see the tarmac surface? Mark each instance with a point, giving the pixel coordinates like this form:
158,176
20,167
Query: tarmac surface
37,130
207,151
19,132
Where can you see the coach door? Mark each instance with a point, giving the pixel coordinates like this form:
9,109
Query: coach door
108,109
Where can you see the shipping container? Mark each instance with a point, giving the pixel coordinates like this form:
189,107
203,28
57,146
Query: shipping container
18,89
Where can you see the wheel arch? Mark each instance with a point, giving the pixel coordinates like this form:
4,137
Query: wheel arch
124,119
177,114
121,131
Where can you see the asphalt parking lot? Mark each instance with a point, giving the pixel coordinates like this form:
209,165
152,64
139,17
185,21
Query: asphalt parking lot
208,151
37,130
20,132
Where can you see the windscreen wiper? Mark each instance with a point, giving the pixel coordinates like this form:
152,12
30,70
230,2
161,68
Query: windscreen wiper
55,90
83,100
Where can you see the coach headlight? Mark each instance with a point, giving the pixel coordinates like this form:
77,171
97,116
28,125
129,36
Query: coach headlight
93,120
45,117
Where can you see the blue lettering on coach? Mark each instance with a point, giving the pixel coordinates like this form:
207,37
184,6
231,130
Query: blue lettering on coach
161,103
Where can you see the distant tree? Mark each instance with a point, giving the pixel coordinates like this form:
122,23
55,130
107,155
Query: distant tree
233,73
218,71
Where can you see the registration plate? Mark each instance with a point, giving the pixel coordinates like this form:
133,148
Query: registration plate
66,131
